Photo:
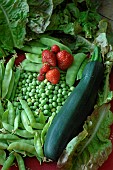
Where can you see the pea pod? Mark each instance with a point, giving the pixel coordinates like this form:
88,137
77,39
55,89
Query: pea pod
35,58
20,161
26,122
11,115
28,111
50,42
30,66
17,120
17,76
9,161
11,86
7,77
73,69
2,157
1,109
38,147
81,69
22,146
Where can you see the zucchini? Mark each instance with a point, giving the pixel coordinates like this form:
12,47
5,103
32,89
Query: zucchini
70,119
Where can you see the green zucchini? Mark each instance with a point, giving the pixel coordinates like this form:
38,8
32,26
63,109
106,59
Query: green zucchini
70,119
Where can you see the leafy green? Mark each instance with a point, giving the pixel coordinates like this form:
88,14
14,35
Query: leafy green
39,15
92,146
13,18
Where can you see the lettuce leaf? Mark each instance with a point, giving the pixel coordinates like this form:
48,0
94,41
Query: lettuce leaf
91,148
13,18
39,15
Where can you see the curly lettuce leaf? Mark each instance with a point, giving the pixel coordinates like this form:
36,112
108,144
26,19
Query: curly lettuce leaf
92,149
39,15
13,19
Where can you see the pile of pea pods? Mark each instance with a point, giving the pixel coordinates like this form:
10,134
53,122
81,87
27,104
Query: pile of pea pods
27,108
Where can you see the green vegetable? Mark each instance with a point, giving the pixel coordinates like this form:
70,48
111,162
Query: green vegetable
50,42
73,69
93,140
69,120
33,58
9,161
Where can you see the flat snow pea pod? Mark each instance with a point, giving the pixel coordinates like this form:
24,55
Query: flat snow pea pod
9,161
38,146
35,58
16,80
26,122
30,66
73,69
28,111
7,77
2,157
22,146
50,42
20,162
11,115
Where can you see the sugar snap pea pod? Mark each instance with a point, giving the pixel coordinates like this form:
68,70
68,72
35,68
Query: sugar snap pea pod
50,42
11,115
46,127
11,86
22,146
17,77
38,147
29,141
73,69
7,77
30,66
42,118
8,136
2,157
5,116
17,120
9,161
26,122
37,125
3,145
20,162
24,133
35,58
1,109
28,111
80,71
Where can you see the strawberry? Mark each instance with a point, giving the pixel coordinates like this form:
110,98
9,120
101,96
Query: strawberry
55,48
64,59
53,75
45,68
49,57
40,77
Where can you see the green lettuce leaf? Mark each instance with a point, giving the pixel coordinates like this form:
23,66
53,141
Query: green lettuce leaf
92,146
39,15
13,18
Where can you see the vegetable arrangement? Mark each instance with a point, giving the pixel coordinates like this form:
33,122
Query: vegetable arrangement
59,95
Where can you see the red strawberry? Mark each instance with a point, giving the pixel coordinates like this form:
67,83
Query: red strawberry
49,57
40,77
55,48
53,75
45,68
64,59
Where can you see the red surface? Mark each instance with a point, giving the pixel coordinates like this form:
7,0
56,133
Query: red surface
33,164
